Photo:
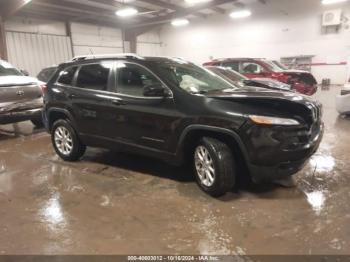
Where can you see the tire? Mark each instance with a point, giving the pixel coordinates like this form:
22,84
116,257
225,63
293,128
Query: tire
223,163
62,129
37,122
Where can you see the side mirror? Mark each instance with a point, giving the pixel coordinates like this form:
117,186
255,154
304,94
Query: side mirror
25,72
156,90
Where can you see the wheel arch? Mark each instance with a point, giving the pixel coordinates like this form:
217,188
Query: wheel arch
192,134
55,114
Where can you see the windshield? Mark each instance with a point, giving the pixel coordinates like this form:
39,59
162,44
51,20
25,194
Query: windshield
232,76
273,67
192,78
7,69
280,65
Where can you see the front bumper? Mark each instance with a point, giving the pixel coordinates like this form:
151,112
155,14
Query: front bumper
277,163
19,116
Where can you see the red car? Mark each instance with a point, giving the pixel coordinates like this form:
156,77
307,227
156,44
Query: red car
300,81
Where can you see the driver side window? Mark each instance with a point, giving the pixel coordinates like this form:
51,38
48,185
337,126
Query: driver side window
251,68
132,79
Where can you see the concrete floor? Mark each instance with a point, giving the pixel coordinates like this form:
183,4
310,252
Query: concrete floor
111,203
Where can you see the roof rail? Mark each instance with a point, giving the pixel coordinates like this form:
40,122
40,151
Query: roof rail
122,55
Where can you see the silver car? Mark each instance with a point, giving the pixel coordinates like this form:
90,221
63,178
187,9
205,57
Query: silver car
21,97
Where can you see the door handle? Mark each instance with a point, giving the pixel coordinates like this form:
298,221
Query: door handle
71,96
118,102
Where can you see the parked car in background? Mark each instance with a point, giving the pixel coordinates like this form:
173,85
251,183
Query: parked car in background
343,101
173,110
242,81
300,81
20,96
45,74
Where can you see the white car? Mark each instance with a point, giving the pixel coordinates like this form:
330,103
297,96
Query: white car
21,97
343,100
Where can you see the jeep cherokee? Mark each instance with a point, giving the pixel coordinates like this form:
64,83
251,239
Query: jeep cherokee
175,111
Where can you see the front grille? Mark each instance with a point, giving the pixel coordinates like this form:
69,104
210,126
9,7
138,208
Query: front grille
315,113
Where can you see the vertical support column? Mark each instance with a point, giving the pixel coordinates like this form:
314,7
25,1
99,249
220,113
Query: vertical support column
131,38
69,34
3,47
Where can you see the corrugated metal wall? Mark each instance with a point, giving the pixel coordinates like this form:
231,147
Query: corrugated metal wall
95,39
33,52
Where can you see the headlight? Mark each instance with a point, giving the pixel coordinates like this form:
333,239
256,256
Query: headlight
267,120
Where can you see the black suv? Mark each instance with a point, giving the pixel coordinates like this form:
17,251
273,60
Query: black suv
175,111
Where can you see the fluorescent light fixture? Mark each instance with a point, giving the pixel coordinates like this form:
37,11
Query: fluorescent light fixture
127,12
331,2
240,14
180,22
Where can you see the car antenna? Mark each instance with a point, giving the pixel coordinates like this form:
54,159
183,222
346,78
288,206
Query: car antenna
92,53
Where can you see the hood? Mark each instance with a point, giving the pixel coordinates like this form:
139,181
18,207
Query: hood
273,83
249,92
17,80
270,102
296,71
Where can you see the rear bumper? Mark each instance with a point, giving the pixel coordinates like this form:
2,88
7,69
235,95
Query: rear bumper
14,117
287,168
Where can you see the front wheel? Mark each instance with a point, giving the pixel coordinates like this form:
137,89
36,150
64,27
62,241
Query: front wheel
214,167
66,142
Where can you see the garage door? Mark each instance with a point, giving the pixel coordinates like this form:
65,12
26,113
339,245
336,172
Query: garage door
33,52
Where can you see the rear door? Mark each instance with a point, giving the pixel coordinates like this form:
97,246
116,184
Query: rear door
90,98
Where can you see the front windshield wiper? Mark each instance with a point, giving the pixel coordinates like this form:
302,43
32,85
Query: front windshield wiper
202,92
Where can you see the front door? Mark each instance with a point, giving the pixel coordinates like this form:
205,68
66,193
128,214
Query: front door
141,119
252,70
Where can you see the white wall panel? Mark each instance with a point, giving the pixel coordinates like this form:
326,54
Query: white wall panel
96,39
149,44
33,52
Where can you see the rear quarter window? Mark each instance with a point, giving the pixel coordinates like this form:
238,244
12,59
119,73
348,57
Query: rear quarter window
67,75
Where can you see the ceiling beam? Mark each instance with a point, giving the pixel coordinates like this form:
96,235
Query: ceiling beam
11,7
170,6
219,10
161,4
181,13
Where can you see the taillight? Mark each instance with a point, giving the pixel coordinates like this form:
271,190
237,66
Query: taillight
43,89
345,92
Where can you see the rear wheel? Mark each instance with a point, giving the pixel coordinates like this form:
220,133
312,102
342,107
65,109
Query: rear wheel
66,142
214,167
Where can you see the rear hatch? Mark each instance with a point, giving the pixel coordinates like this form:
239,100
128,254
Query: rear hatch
19,93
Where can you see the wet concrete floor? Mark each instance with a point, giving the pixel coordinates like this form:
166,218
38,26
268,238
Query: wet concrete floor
112,203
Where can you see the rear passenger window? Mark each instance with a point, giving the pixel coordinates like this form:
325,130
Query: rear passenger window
66,76
94,76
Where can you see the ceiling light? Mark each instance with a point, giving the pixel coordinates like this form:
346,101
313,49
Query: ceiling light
127,12
180,22
330,2
240,14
